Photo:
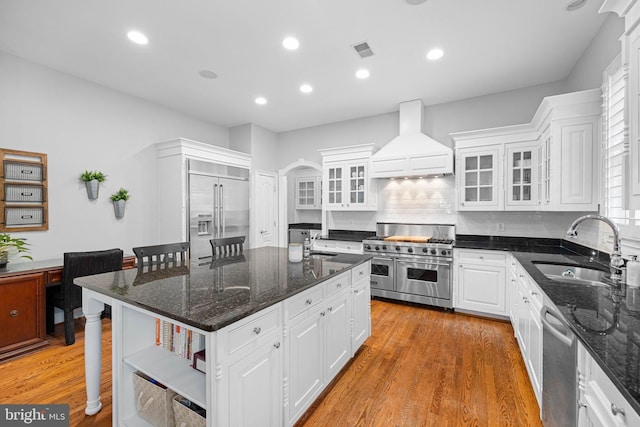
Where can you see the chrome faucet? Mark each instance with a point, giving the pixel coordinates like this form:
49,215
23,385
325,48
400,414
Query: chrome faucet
615,259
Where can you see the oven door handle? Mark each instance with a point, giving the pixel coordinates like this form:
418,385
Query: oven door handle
423,263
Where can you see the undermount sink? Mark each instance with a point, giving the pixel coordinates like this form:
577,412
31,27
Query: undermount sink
321,255
573,274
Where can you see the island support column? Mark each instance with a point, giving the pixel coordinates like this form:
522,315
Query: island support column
92,309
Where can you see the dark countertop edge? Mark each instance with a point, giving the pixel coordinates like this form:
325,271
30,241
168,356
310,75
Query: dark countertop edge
344,258
305,226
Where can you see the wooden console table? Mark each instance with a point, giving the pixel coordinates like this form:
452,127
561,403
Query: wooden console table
23,304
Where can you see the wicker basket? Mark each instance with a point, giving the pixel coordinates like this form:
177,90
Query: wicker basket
185,416
153,402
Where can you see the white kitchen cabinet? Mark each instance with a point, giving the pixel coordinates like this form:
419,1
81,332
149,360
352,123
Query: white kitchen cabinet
255,385
547,164
338,246
479,178
512,292
602,404
320,340
361,305
308,194
529,328
346,182
481,281
521,176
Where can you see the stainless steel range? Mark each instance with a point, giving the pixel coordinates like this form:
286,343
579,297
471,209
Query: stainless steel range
412,262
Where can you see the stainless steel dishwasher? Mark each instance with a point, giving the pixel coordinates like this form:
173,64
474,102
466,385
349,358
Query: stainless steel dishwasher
559,371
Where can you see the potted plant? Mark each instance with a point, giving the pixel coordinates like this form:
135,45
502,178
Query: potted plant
92,180
12,245
119,198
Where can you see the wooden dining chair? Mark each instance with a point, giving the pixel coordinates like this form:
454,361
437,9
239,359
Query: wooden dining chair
162,256
68,296
227,246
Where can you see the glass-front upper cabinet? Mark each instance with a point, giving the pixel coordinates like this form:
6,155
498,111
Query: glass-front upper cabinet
480,179
522,172
308,192
357,184
334,180
347,186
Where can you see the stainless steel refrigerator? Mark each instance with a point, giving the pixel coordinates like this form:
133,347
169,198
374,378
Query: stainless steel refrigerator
218,205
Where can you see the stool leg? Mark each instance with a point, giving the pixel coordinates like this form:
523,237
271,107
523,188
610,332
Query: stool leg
69,328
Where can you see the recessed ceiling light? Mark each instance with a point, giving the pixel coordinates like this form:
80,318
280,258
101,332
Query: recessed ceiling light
435,54
306,88
575,5
415,2
208,74
261,100
290,43
137,37
362,73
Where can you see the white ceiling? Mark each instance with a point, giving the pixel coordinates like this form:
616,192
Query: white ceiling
490,46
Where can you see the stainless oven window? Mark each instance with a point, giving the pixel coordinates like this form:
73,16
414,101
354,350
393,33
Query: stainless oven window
380,270
422,274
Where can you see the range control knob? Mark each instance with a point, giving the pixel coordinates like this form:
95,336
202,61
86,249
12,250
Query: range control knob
377,248
410,250
384,248
444,252
433,252
367,247
397,248
425,250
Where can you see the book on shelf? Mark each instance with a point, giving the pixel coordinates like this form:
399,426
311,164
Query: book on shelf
177,339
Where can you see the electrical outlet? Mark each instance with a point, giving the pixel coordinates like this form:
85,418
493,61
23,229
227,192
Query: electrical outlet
500,226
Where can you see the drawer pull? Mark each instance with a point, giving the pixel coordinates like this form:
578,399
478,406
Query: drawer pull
330,309
13,313
322,313
277,345
526,300
308,302
26,194
339,285
617,411
26,172
534,293
361,273
257,330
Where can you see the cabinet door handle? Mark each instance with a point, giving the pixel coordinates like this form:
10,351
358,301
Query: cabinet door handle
617,411
525,299
322,313
534,293
257,330
13,313
308,302
339,285
276,345
330,309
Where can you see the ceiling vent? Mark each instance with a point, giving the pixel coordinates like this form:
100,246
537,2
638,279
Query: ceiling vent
363,50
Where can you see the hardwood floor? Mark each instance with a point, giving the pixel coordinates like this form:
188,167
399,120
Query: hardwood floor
421,367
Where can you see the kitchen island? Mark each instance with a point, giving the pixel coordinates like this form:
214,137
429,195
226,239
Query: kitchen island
275,333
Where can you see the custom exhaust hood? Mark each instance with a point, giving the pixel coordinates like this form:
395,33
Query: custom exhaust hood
412,153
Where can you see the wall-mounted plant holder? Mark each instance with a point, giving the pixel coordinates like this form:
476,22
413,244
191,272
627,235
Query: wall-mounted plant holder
23,191
92,180
93,189
119,199
118,208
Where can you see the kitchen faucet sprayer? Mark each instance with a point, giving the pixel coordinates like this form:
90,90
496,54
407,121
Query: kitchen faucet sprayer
615,259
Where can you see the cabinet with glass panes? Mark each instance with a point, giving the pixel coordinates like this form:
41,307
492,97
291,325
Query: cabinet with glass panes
479,181
521,179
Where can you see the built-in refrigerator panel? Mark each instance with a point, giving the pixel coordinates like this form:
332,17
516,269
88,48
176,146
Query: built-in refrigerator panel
218,205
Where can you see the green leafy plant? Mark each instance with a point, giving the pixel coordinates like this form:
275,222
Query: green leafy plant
91,175
14,245
121,194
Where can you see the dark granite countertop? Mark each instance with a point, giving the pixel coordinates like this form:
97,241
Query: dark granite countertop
211,295
306,226
348,235
606,319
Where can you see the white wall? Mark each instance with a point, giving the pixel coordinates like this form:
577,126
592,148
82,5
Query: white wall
81,125
604,47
